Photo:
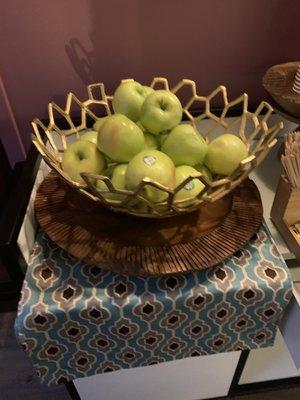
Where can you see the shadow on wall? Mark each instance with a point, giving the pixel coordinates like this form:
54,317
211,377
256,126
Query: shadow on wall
116,45
81,59
230,43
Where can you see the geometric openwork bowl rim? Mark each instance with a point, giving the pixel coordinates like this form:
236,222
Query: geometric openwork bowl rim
259,140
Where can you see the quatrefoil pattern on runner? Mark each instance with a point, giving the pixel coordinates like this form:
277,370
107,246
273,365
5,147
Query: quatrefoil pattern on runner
77,320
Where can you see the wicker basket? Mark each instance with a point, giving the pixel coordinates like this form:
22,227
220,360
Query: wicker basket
279,81
255,132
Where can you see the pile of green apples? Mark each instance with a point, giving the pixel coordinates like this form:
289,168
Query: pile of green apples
146,138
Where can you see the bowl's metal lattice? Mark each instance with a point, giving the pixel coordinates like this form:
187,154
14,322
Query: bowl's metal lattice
254,131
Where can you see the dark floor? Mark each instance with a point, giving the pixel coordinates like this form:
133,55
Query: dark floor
18,380
285,394
17,377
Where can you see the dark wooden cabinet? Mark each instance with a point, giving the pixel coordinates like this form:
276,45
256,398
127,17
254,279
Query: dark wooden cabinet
10,283
5,172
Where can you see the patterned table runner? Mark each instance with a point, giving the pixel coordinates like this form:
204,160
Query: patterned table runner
76,320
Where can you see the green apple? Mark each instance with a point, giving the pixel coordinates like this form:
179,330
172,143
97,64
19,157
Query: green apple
97,125
185,146
192,188
117,175
155,165
225,153
91,136
150,141
161,111
148,90
109,161
139,124
82,156
109,170
162,137
120,139
204,170
129,98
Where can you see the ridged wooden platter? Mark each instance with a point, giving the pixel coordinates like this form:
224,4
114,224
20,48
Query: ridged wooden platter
142,246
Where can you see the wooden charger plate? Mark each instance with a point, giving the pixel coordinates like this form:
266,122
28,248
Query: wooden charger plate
143,246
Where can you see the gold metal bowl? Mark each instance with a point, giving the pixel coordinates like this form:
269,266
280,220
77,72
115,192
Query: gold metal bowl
254,131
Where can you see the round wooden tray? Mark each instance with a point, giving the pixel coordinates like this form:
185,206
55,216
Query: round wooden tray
142,246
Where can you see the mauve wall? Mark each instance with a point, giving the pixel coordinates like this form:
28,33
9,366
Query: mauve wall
51,47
